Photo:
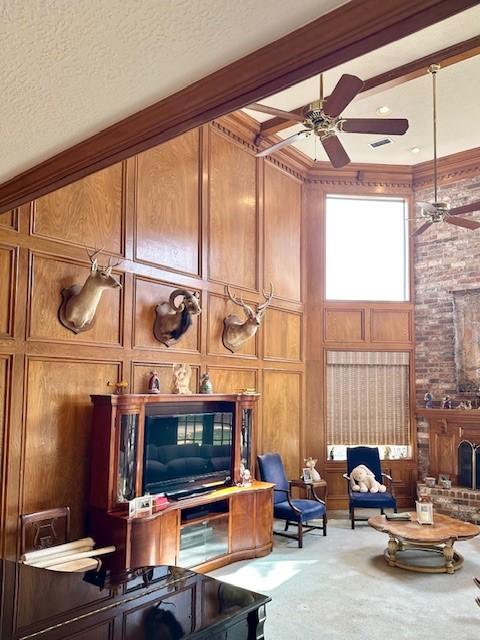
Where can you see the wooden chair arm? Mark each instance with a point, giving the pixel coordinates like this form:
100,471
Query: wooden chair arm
349,484
390,482
316,498
289,500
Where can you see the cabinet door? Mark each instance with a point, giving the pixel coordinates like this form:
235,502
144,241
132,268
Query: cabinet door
242,522
154,541
264,517
444,454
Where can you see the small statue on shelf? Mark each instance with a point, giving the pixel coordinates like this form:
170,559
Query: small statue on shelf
206,384
181,378
245,474
428,397
310,464
154,383
447,402
331,455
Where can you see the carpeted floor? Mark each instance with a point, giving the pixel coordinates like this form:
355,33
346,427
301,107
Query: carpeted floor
340,588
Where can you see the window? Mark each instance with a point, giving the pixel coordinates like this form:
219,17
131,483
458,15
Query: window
366,249
368,402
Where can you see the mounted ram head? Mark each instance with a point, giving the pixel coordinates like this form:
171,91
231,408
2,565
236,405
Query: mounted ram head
79,303
172,320
237,331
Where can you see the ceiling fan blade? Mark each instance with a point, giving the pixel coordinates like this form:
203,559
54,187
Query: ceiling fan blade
421,229
283,143
466,208
345,91
463,222
392,126
279,113
335,151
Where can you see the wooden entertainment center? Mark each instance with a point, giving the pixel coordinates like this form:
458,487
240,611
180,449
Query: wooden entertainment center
202,531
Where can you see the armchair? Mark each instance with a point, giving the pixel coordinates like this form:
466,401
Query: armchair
298,512
370,457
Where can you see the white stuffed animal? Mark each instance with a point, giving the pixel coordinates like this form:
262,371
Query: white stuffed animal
363,480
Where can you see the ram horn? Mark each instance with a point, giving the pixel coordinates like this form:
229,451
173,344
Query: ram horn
175,294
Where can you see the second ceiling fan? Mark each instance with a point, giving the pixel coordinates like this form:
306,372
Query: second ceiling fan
323,119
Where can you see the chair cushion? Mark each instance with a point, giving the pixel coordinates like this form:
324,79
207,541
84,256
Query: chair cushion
372,500
310,510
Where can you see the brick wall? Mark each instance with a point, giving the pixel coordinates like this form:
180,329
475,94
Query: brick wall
446,258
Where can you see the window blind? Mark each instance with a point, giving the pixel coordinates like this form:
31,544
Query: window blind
368,398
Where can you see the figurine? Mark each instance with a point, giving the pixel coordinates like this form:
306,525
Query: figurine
154,383
387,453
310,464
181,378
331,455
206,384
446,402
245,474
428,397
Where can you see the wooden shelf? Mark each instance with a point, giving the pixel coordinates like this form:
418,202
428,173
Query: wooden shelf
206,518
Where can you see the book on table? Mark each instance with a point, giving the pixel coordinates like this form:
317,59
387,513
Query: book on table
398,516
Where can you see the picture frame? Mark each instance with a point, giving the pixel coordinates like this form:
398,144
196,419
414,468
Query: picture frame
141,506
307,475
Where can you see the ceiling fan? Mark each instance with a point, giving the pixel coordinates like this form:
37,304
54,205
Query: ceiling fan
323,119
440,211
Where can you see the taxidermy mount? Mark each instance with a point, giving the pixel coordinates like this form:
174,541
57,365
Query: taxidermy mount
79,303
172,321
237,331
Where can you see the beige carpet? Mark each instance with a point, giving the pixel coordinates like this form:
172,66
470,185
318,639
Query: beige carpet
340,588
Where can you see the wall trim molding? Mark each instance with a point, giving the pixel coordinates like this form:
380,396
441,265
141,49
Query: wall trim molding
452,168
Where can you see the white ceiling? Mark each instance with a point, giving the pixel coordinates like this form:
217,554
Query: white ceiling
70,68
458,91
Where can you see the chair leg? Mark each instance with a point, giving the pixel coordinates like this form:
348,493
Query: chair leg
382,512
324,524
352,517
287,523
395,509
300,535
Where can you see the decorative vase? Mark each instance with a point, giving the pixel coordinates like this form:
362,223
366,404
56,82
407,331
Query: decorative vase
206,384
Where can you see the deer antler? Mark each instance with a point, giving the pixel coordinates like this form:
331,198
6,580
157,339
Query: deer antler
93,255
110,266
268,299
239,301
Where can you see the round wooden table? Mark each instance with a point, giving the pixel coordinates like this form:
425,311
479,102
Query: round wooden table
438,537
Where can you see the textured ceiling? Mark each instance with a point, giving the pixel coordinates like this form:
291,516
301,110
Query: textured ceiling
458,98
72,67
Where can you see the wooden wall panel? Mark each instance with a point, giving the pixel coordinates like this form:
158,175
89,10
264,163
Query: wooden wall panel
48,277
141,375
282,233
282,412
219,308
149,293
344,325
8,259
233,236
232,380
282,335
4,407
168,204
390,326
87,213
9,219
57,433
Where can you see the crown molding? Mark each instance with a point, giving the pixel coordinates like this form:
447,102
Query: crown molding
452,168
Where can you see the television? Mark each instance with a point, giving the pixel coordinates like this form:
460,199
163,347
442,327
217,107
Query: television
188,452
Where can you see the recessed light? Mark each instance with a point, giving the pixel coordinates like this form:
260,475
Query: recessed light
382,111
415,150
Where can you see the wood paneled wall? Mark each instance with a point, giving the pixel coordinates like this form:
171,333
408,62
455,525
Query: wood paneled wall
349,325
197,212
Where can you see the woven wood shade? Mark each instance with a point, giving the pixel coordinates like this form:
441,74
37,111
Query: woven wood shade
367,398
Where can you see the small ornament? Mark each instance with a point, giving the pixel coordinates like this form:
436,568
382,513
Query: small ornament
310,464
446,402
206,384
387,453
428,397
181,378
245,474
154,383
331,455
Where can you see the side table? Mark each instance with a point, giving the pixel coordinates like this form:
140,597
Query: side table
310,488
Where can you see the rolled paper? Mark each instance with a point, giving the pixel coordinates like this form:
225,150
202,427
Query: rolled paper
57,557
45,564
59,548
76,565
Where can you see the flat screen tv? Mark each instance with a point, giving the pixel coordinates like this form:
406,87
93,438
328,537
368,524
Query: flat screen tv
187,452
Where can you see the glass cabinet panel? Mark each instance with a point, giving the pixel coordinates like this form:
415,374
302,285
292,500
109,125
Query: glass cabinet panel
246,436
127,457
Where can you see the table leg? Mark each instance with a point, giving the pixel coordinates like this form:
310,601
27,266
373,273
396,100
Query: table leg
448,554
392,550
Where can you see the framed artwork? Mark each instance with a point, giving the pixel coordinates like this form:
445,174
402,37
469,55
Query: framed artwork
307,475
466,314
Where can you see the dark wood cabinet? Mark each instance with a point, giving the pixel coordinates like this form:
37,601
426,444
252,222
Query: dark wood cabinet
202,531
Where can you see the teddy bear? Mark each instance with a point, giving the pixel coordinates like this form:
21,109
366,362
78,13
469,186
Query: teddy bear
310,464
363,480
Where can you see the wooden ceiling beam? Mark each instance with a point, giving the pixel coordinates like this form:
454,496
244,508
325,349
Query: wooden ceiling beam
383,81
355,28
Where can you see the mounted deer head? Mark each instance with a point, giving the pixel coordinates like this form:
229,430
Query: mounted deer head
237,331
79,304
172,320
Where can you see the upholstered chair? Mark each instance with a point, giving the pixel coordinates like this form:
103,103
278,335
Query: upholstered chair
369,457
294,512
